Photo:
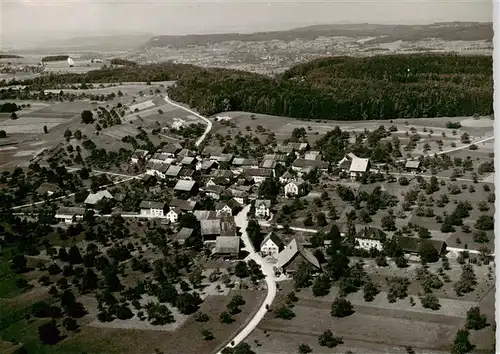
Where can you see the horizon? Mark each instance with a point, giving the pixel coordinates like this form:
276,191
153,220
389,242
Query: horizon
198,18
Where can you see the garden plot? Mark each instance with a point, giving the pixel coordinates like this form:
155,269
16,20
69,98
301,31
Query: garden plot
142,105
25,153
120,131
29,125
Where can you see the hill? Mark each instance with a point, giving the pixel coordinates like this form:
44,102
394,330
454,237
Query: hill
467,31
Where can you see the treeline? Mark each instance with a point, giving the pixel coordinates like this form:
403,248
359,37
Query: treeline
10,56
55,58
124,62
346,88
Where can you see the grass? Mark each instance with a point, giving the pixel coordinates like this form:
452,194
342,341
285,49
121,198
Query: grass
8,287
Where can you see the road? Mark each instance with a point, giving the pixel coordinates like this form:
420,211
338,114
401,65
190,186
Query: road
206,120
455,148
242,221
408,174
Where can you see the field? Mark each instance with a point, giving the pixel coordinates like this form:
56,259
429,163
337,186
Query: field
378,326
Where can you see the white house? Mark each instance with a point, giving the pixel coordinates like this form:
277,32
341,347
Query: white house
294,188
259,175
173,215
69,215
262,208
271,245
138,156
370,237
227,208
354,165
152,209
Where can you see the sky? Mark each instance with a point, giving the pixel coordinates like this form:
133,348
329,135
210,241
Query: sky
25,21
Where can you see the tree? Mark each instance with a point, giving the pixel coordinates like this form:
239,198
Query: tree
201,317
67,134
285,313
19,263
74,256
89,281
70,324
187,303
388,222
49,333
241,270
430,301
226,318
326,339
475,320
461,344
370,290
62,254
321,285
13,115
3,134
304,349
67,299
302,276
341,307
78,134
485,223
87,117
207,335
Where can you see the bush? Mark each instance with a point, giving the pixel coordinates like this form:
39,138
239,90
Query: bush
475,320
341,307
326,339
285,313
430,301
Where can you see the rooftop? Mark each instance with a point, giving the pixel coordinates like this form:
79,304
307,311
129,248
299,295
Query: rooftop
185,186
227,245
147,204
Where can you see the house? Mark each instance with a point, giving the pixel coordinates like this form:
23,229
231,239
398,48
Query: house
370,237
212,151
173,171
183,235
291,147
295,188
172,149
228,208
186,173
157,169
228,246
291,257
412,245
173,215
312,155
210,229
162,157
185,186
207,166
139,156
69,215
47,189
240,164
228,226
152,209
271,245
185,153
205,214
269,164
237,194
354,165
184,205
258,175
305,166
413,166
227,158
262,208
286,177
214,191
94,198
188,161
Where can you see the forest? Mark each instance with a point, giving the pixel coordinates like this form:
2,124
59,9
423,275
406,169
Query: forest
347,88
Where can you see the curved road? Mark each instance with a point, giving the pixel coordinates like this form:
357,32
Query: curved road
241,221
206,120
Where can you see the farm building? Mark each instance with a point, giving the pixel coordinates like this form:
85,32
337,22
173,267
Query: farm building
293,255
411,245
94,198
69,215
305,166
183,235
185,186
210,229
227,246
138,156
354,166
413,166
47,189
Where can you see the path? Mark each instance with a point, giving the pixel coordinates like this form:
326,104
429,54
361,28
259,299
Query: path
206,120
242,221
454,149
409,174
